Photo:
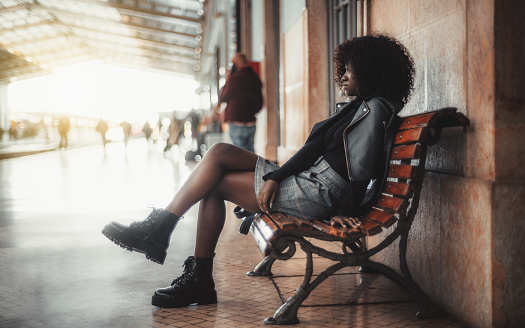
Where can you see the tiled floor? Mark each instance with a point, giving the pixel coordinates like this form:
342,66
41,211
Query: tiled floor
57,270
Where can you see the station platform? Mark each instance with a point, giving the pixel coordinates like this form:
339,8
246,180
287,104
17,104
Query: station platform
22,147
58,270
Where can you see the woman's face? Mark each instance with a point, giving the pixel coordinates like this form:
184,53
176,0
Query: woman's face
348,83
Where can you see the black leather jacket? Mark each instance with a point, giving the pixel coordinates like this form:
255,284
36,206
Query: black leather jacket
368,141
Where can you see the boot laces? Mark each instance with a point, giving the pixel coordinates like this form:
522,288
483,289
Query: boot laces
187,274
149,220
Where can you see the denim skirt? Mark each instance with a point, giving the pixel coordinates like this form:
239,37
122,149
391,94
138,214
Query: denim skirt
312,194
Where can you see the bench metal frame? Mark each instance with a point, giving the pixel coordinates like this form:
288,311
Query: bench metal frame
278,234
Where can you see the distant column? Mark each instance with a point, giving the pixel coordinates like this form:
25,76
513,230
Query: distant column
4,120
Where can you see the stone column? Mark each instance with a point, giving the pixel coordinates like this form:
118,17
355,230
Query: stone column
4,119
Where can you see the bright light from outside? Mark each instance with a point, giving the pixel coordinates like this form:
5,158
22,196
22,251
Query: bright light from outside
99,90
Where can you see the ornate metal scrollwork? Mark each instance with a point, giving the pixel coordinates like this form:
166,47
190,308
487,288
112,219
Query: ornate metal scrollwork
284,248
355,246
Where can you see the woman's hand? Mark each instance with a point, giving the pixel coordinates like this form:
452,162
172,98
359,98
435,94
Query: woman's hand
267,195
345,222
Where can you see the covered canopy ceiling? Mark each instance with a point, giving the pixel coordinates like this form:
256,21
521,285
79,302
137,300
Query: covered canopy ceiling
37,36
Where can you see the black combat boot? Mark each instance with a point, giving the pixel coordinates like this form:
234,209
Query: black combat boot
150,237
195,285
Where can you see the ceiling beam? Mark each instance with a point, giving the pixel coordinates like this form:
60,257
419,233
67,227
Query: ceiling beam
38,57
47,38
151,43
8,73
161,30
19,63
55,51
15,62
185,73
142,10
23,27
70,59
145,47
23,76
13,8
125,36
153,52
165,54
103,20
34,70
156,5
112,53
147,54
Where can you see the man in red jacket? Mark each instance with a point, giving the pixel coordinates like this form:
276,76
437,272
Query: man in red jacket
242,93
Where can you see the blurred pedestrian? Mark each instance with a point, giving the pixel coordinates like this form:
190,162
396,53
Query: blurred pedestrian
195,121
147,130
102,128
174,131
126,129
13,131
160,135
63,129
242,93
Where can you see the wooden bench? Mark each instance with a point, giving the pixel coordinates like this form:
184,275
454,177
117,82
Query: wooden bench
277,234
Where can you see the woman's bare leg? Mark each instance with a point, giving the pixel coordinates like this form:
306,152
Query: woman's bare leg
237,187
225,173
196,284
220,160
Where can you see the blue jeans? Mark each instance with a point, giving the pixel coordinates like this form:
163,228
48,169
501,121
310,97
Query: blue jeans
242,136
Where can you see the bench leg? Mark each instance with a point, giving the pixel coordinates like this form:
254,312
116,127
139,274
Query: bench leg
287,313
264,268
427,308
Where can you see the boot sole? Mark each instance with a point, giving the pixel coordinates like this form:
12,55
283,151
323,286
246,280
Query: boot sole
152,252
184,300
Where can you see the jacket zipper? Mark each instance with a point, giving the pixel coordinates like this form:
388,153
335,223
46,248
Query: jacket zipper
344,140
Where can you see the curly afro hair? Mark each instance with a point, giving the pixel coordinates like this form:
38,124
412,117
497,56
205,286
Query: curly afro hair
381,65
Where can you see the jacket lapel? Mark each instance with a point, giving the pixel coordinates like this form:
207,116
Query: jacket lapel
361,111
340,110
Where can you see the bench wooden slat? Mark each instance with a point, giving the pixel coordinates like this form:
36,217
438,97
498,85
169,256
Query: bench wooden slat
283,221
336,231
370,227
262,244
406,152
384,218
263,232
303,224
266,226
408,136
403,171
418,121
400,189
393,204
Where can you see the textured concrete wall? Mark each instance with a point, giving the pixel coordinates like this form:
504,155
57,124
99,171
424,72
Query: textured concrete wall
467,242
466,245
508,221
